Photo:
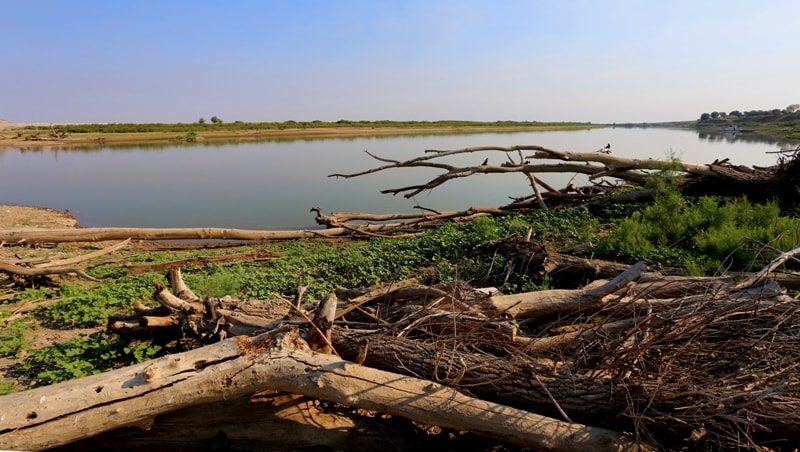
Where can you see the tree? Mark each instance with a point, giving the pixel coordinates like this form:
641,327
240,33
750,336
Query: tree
714,114
792,108
705,117
201,121
736,114
216,120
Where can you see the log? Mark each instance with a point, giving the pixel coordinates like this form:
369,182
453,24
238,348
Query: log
43,235
133,396
77,264
266,421
249,256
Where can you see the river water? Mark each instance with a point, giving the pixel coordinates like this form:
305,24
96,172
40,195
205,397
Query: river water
272,185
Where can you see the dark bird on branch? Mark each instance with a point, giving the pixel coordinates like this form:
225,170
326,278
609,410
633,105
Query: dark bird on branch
485,162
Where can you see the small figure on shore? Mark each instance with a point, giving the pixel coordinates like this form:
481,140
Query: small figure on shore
485,162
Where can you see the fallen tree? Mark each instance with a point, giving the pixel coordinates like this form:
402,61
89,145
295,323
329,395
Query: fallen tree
66,412
719,177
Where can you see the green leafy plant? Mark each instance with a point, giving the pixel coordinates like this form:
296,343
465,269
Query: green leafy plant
80,306
14,338
85,355
7,387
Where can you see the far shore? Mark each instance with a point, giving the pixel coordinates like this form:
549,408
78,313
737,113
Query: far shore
48,136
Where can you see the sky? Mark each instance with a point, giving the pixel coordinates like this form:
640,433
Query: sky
268,60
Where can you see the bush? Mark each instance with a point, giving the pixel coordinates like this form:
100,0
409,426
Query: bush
704,233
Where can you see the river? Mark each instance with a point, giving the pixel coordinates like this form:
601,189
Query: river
271,185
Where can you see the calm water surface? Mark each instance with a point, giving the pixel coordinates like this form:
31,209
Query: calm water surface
273,184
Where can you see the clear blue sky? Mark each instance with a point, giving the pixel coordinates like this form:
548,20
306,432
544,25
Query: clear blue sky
560,60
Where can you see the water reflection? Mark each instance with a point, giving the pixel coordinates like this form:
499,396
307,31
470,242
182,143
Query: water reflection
272,184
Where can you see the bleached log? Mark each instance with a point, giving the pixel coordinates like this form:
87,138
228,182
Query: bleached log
530,305
44,235
60,414
173,303
180,288
319,338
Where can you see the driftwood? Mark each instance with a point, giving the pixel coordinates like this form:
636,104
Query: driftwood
249,256
69,411
337,225
77,265
35,235
269,420
718,177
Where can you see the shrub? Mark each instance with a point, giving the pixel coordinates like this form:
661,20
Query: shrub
704,233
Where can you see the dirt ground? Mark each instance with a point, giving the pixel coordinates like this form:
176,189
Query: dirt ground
14,216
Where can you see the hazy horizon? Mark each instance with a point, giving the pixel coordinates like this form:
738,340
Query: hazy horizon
268,61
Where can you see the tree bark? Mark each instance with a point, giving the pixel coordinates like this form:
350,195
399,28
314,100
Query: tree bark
63,413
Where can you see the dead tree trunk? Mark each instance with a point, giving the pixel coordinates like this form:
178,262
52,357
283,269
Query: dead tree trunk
63,413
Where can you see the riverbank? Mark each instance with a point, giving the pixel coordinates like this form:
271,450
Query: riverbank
61,136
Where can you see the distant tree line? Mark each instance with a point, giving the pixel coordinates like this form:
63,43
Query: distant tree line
217,124
751,114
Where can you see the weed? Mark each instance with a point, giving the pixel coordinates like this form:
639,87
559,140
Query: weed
14,338
7,387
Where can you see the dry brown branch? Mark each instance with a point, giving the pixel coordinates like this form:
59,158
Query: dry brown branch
761,275
249,256
597,165
77,264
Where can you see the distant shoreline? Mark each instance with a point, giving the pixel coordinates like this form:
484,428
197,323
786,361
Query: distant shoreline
41,135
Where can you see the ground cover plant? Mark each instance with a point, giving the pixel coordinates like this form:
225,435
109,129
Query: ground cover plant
701,236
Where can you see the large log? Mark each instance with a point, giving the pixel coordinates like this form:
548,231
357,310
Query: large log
63,413
37,235
269,420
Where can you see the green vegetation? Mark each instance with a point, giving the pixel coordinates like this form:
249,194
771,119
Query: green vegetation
700,235
81,308
14,338
86,355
